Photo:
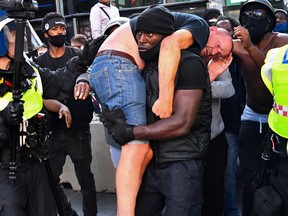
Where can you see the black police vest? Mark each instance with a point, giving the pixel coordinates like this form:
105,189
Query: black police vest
195,144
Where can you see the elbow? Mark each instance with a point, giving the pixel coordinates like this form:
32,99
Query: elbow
184,129
170,43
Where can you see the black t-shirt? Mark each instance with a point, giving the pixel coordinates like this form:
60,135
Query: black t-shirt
81,110
47,61
191,75
193,23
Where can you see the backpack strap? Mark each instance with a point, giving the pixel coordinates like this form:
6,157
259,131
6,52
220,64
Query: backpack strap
105,13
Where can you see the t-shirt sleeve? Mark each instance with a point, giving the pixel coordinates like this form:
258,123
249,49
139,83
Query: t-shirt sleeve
191,75
194,24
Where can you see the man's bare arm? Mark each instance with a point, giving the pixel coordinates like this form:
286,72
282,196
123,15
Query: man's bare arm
243,34
168,65
186,105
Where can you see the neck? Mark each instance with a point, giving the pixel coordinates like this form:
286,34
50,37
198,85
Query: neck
56,52
105,3
4,63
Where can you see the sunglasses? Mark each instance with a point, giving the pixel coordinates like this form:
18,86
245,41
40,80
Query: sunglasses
256,14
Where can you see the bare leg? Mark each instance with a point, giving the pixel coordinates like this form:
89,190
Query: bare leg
133,161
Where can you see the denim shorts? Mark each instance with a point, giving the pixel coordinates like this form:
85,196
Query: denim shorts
118,84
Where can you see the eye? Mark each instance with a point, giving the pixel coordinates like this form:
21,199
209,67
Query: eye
149,34
259,14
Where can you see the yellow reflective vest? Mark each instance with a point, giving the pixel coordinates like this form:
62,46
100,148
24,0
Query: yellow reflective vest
32,98
275,76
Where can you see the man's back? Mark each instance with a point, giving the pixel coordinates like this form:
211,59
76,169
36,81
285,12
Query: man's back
123,40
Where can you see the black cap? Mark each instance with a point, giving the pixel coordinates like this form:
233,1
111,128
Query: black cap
156,19
210,13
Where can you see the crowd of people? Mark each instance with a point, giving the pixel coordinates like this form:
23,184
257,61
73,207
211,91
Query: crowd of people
182,97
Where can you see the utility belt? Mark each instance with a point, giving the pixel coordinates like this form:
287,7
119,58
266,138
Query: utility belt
32,147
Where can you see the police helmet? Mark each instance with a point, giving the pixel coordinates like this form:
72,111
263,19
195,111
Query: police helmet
263,3
8,25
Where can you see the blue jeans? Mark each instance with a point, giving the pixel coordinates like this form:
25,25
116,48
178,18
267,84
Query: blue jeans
75,142
177,186
230,195
115,155
118,84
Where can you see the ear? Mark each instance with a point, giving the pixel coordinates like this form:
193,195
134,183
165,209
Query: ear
46,35
213,29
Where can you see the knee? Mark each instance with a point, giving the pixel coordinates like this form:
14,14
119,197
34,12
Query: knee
139,149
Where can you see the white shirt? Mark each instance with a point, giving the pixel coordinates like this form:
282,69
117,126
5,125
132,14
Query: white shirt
98,19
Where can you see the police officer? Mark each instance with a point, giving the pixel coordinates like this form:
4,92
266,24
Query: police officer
275,76
30,193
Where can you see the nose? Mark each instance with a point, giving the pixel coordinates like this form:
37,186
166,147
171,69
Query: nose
60,31
142,39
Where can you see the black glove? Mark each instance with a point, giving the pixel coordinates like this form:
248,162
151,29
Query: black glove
115,121
4,133
90,50
13,112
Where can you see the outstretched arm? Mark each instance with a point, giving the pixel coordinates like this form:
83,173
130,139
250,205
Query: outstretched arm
168,65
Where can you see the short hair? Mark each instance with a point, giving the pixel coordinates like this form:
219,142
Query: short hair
234,22
80,38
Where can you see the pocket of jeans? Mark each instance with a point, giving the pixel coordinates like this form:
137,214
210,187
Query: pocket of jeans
99,80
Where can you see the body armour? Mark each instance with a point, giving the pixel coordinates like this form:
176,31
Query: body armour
31,86
275,76
189,147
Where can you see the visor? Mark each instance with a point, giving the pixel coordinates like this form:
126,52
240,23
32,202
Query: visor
31,40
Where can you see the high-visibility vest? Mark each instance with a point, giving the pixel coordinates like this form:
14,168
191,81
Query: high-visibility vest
275,76
32,97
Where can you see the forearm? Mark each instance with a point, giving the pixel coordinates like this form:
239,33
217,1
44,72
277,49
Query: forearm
186,106
52,105
257,56
170,54
222,87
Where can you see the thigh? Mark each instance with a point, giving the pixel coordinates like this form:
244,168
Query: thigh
149,200
182,187
13,197
119,84
250,145
79,145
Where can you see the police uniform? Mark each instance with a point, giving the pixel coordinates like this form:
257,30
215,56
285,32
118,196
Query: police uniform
274,75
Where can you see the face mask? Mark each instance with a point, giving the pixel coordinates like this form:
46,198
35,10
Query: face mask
57,40
281,27
152,53
257,28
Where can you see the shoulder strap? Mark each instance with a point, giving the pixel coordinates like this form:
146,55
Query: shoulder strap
105,12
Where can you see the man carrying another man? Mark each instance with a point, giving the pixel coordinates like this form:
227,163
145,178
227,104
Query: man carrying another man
219,47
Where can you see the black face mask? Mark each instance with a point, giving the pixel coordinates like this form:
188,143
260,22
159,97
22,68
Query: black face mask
151,54
257,28
57,40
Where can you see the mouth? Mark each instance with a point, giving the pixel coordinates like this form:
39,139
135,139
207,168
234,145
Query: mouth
142,48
